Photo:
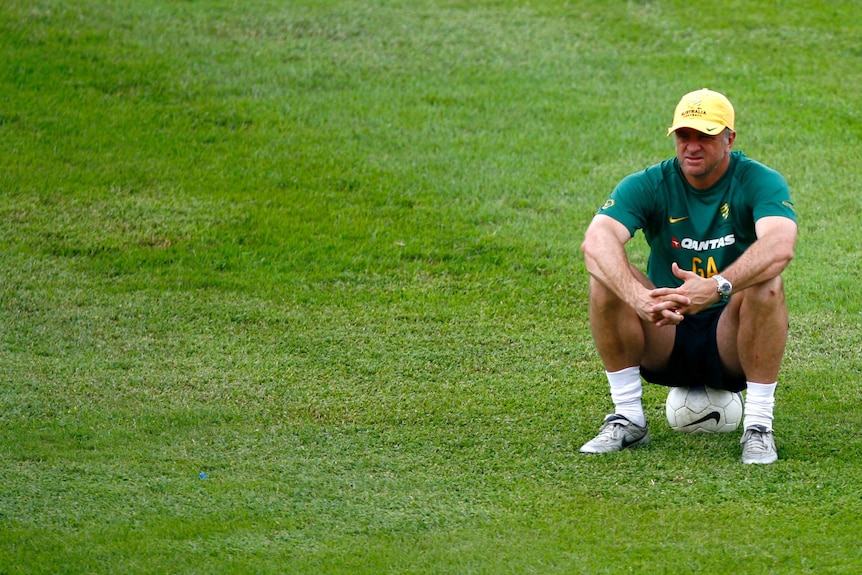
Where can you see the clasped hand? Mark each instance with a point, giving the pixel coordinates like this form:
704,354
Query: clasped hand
668,306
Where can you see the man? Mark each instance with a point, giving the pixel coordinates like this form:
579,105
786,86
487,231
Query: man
710,310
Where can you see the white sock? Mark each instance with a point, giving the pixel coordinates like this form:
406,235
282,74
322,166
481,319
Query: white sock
626,392
759,401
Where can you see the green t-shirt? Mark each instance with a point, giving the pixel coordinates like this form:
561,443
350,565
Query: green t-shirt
703,231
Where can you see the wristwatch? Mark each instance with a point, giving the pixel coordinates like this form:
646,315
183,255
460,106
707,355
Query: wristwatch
724,287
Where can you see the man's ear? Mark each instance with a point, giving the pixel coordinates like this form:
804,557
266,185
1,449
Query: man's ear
731,137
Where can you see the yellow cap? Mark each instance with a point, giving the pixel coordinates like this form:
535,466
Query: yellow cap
703,110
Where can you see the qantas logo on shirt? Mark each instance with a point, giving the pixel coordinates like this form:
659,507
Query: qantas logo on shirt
703,245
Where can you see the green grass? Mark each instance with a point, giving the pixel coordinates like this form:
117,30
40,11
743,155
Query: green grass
327,254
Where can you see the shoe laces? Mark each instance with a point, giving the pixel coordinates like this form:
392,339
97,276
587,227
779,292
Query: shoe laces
614,429
756,439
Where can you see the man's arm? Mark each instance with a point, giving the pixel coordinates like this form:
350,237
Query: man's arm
608,263
765,259
768,256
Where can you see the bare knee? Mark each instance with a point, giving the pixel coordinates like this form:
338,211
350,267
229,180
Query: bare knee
600,296
770,292
763,300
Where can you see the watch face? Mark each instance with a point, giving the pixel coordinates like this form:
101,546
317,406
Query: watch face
724,286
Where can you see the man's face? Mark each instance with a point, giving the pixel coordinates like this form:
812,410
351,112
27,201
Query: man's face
702,157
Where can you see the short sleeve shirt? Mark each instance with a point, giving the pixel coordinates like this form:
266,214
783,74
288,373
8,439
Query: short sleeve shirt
703,231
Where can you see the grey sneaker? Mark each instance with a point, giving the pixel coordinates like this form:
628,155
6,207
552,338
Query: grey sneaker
758,446
616,434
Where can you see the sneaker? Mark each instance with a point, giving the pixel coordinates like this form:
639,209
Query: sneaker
758,446
616,434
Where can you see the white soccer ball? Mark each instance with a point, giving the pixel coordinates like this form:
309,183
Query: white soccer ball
703,410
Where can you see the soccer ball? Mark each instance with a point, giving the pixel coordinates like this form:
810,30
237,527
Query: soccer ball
703,410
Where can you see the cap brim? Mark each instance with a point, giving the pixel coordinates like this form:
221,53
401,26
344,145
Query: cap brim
708,128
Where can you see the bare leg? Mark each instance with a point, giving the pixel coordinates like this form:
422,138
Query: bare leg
625,343
752,332
616,328
621,338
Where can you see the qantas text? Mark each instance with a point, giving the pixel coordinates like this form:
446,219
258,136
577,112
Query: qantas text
704,245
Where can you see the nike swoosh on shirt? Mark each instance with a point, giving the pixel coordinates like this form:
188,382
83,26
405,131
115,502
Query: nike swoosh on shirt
675,220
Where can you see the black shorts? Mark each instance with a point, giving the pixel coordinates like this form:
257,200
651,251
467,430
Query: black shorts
694,359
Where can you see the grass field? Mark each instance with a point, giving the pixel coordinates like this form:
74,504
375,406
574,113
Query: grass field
295,286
